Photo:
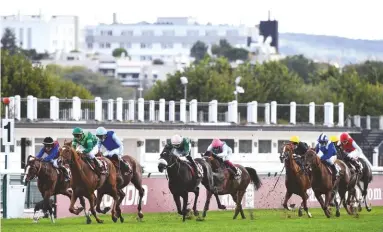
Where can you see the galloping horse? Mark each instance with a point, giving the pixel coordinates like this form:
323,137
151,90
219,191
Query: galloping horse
228,185
297,182
322,183
86,181
184,179
123,179
50,182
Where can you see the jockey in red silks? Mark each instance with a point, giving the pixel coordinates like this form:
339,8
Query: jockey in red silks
351,149
223,152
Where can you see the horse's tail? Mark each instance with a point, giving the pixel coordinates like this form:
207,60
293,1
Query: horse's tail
254,177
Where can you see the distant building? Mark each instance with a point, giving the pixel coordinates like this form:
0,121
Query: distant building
165,39
58,33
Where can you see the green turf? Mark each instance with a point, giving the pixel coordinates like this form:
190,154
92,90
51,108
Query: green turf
264,220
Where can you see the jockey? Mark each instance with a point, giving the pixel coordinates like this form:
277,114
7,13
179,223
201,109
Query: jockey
335,140
351,149
326,150
112,144
87,142
182,148
50,153
223,152
300,148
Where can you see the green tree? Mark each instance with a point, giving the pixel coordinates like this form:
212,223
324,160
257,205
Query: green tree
198,50
371,71
8,41
119,51
224,49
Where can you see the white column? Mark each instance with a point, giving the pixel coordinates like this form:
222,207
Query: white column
152,111
141,110
233,112
381,122
34,108
110,109
273,112
30,114
17,107
161,116
368,122
11,107
312,113
341,114
132,110
252,112
172,109
293,113
357,120
193,111
98,109
53,108
76,108
183,110
213,111
267,113
329,114
119,107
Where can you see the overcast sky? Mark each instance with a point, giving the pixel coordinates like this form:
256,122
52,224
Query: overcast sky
353,19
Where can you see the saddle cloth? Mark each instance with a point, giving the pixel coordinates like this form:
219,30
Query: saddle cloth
104,165
199,166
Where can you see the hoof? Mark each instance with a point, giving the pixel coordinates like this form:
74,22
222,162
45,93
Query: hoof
114,219
122,219
337,214
88,221
222,207
100,221
199,219
140,215
196,213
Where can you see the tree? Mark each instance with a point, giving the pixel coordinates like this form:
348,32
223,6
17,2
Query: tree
8,41
224,49
371,71
198,50
119,51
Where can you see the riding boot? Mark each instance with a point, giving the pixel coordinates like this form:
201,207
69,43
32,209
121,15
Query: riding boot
300,164
194,165
335,172
65,172
356,165
127,168
97,167
232,167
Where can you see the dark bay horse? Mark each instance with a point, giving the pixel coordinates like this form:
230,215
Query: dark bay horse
227,184
364,179
183,179
297,182
123,179
86,181
50,182
322,181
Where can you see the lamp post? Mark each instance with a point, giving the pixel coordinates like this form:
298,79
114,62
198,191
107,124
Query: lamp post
238,89
184,82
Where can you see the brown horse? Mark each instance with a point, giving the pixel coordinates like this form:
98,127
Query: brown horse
322,181
86,181
297,182
226,183
50,182
123,179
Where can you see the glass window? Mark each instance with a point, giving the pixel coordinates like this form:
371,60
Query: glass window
280,144
152,145
264,146
245,146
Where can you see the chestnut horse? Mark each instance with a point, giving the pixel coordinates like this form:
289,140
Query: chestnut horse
297,182
322,181
50,182
123,179
226,184
86,182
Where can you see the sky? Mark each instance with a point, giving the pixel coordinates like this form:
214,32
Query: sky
357,19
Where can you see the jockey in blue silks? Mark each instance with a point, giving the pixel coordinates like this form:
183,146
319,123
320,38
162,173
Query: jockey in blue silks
50,153
112,145
326,151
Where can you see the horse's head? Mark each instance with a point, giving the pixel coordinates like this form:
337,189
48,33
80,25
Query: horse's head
32,168
286,151
67,153
310,158
167,158
209,157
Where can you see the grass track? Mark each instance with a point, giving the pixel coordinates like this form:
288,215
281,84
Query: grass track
264,220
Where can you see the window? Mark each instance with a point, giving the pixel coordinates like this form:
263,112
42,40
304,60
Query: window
90,45
232,33
280,144
110,32
144,45
152,145
128,33
168,33
245,146
147,33
264,146
167,45
185,45
143,58
107,45
12,148
122,45
101,45
211,33
128,45
192,33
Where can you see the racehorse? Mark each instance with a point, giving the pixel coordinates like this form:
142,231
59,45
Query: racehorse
297,182
322,181
123,179
50,182
184,179
227,184
86,181
366,179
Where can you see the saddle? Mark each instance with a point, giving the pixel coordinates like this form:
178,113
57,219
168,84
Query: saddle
120,166
104,165
190,166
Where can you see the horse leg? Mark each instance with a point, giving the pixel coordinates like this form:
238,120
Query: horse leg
73,200
137,182
121,198
82,200
46,206
99,197
220,206
365,187
184,206
92,207
235,198
327,203
304,203
207,203
321,202
239,200
287,198
196,194
177,200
